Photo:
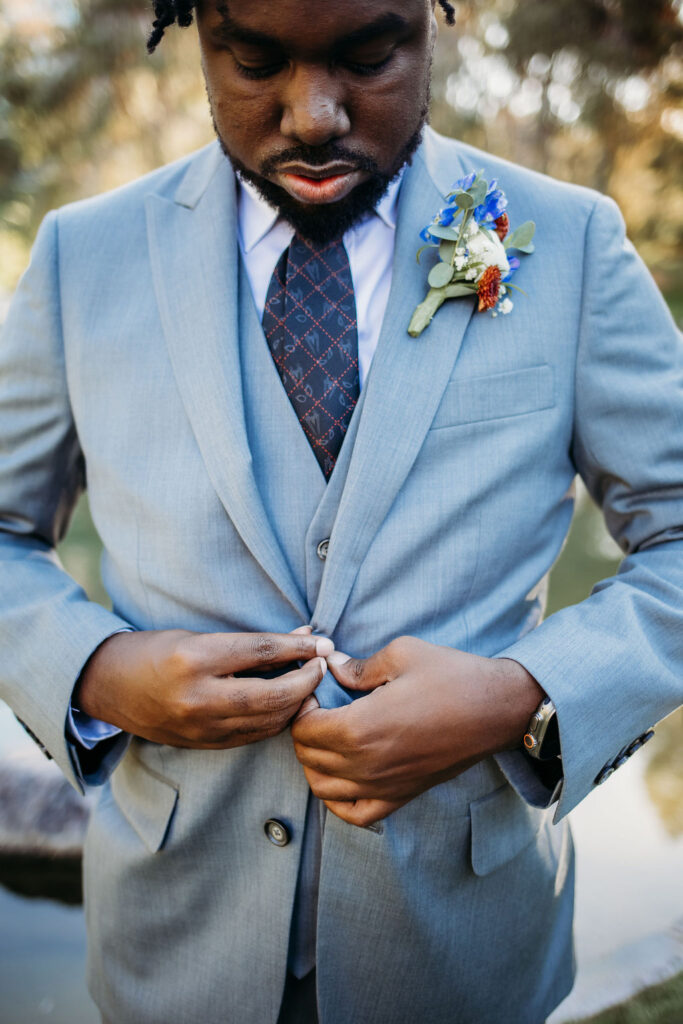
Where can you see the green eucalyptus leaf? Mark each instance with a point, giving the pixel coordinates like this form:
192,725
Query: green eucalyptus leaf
421,250
464,200
521,237
439,231
447,251
478,191
440,275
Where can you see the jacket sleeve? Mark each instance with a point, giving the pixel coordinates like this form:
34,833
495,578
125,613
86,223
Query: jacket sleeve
613,664
48,627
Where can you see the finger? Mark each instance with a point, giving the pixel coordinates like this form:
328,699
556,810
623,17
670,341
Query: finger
306,630
360,673
328,787
310,704
227,653
249,695
363,812
326,729
329,762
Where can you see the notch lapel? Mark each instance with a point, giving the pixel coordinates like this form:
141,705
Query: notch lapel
194,254
405,384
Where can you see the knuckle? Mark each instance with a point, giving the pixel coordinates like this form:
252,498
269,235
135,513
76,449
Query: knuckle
186,707
239,701
265,648
184,660
276,699
357,668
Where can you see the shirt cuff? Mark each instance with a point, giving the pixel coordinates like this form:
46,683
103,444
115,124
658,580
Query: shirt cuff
83,729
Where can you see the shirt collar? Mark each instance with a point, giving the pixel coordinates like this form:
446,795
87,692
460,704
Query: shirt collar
257,217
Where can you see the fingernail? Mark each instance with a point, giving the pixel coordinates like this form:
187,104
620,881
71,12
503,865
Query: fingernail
303,629
323,665
323,646
337,658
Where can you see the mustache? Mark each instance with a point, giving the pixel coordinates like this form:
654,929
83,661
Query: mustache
319,156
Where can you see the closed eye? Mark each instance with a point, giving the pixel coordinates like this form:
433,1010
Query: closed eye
259,71
365,68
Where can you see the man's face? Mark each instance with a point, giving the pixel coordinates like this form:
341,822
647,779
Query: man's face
318,102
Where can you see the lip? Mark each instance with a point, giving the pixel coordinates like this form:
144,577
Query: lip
319,184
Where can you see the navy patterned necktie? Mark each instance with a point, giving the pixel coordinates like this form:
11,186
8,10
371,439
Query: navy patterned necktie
310,324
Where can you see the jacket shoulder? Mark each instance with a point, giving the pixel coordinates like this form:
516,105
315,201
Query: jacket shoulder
448,158
183,179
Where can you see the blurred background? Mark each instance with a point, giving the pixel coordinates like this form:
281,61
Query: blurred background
585,90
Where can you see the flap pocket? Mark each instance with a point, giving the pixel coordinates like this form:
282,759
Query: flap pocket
496,396
146,800
502,826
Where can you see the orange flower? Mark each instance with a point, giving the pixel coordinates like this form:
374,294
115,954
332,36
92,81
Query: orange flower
502,226
489,288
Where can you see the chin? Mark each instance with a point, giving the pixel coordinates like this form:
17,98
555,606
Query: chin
323,222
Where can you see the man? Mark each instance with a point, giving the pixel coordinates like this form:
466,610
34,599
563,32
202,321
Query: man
408,511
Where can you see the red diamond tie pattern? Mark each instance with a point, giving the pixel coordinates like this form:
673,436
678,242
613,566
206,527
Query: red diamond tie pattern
310,324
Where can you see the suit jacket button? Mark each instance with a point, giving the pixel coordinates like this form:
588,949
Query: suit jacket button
276,832
322,549
604,775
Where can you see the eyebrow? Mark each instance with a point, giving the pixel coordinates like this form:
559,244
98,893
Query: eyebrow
385,24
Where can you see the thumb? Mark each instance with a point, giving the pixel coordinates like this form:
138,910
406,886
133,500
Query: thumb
310,704
359,673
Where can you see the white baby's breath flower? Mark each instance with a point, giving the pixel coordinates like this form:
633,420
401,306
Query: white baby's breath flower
487,248
471,274
460,262
506,306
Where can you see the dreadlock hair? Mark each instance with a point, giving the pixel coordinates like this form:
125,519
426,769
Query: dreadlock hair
170,12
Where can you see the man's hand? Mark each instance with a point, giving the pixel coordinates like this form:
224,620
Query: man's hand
432,713
180,688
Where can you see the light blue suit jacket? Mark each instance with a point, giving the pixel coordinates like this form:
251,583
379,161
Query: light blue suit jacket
133,357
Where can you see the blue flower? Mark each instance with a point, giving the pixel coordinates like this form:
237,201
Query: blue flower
462,184
515,264
492,208
446,216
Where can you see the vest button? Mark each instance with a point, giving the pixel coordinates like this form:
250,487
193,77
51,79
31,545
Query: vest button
322,549
276,832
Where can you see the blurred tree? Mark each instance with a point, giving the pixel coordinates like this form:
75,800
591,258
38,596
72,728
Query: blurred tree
587,90
82,105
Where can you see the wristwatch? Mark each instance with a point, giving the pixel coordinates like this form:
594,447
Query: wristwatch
542,737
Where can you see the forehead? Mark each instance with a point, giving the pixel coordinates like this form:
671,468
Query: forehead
310,24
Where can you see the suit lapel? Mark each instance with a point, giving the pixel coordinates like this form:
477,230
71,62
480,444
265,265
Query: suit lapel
405,384
194,256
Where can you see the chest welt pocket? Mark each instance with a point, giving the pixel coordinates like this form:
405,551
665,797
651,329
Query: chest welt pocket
145,799
515,393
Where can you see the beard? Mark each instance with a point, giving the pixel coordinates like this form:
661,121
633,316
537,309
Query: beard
322,223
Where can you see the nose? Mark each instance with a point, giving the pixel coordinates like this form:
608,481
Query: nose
313,111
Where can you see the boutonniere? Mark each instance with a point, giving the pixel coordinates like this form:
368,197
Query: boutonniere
473,238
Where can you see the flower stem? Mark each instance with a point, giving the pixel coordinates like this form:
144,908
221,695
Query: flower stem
423,315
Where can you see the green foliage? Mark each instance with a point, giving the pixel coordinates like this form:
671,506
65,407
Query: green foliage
660,1004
